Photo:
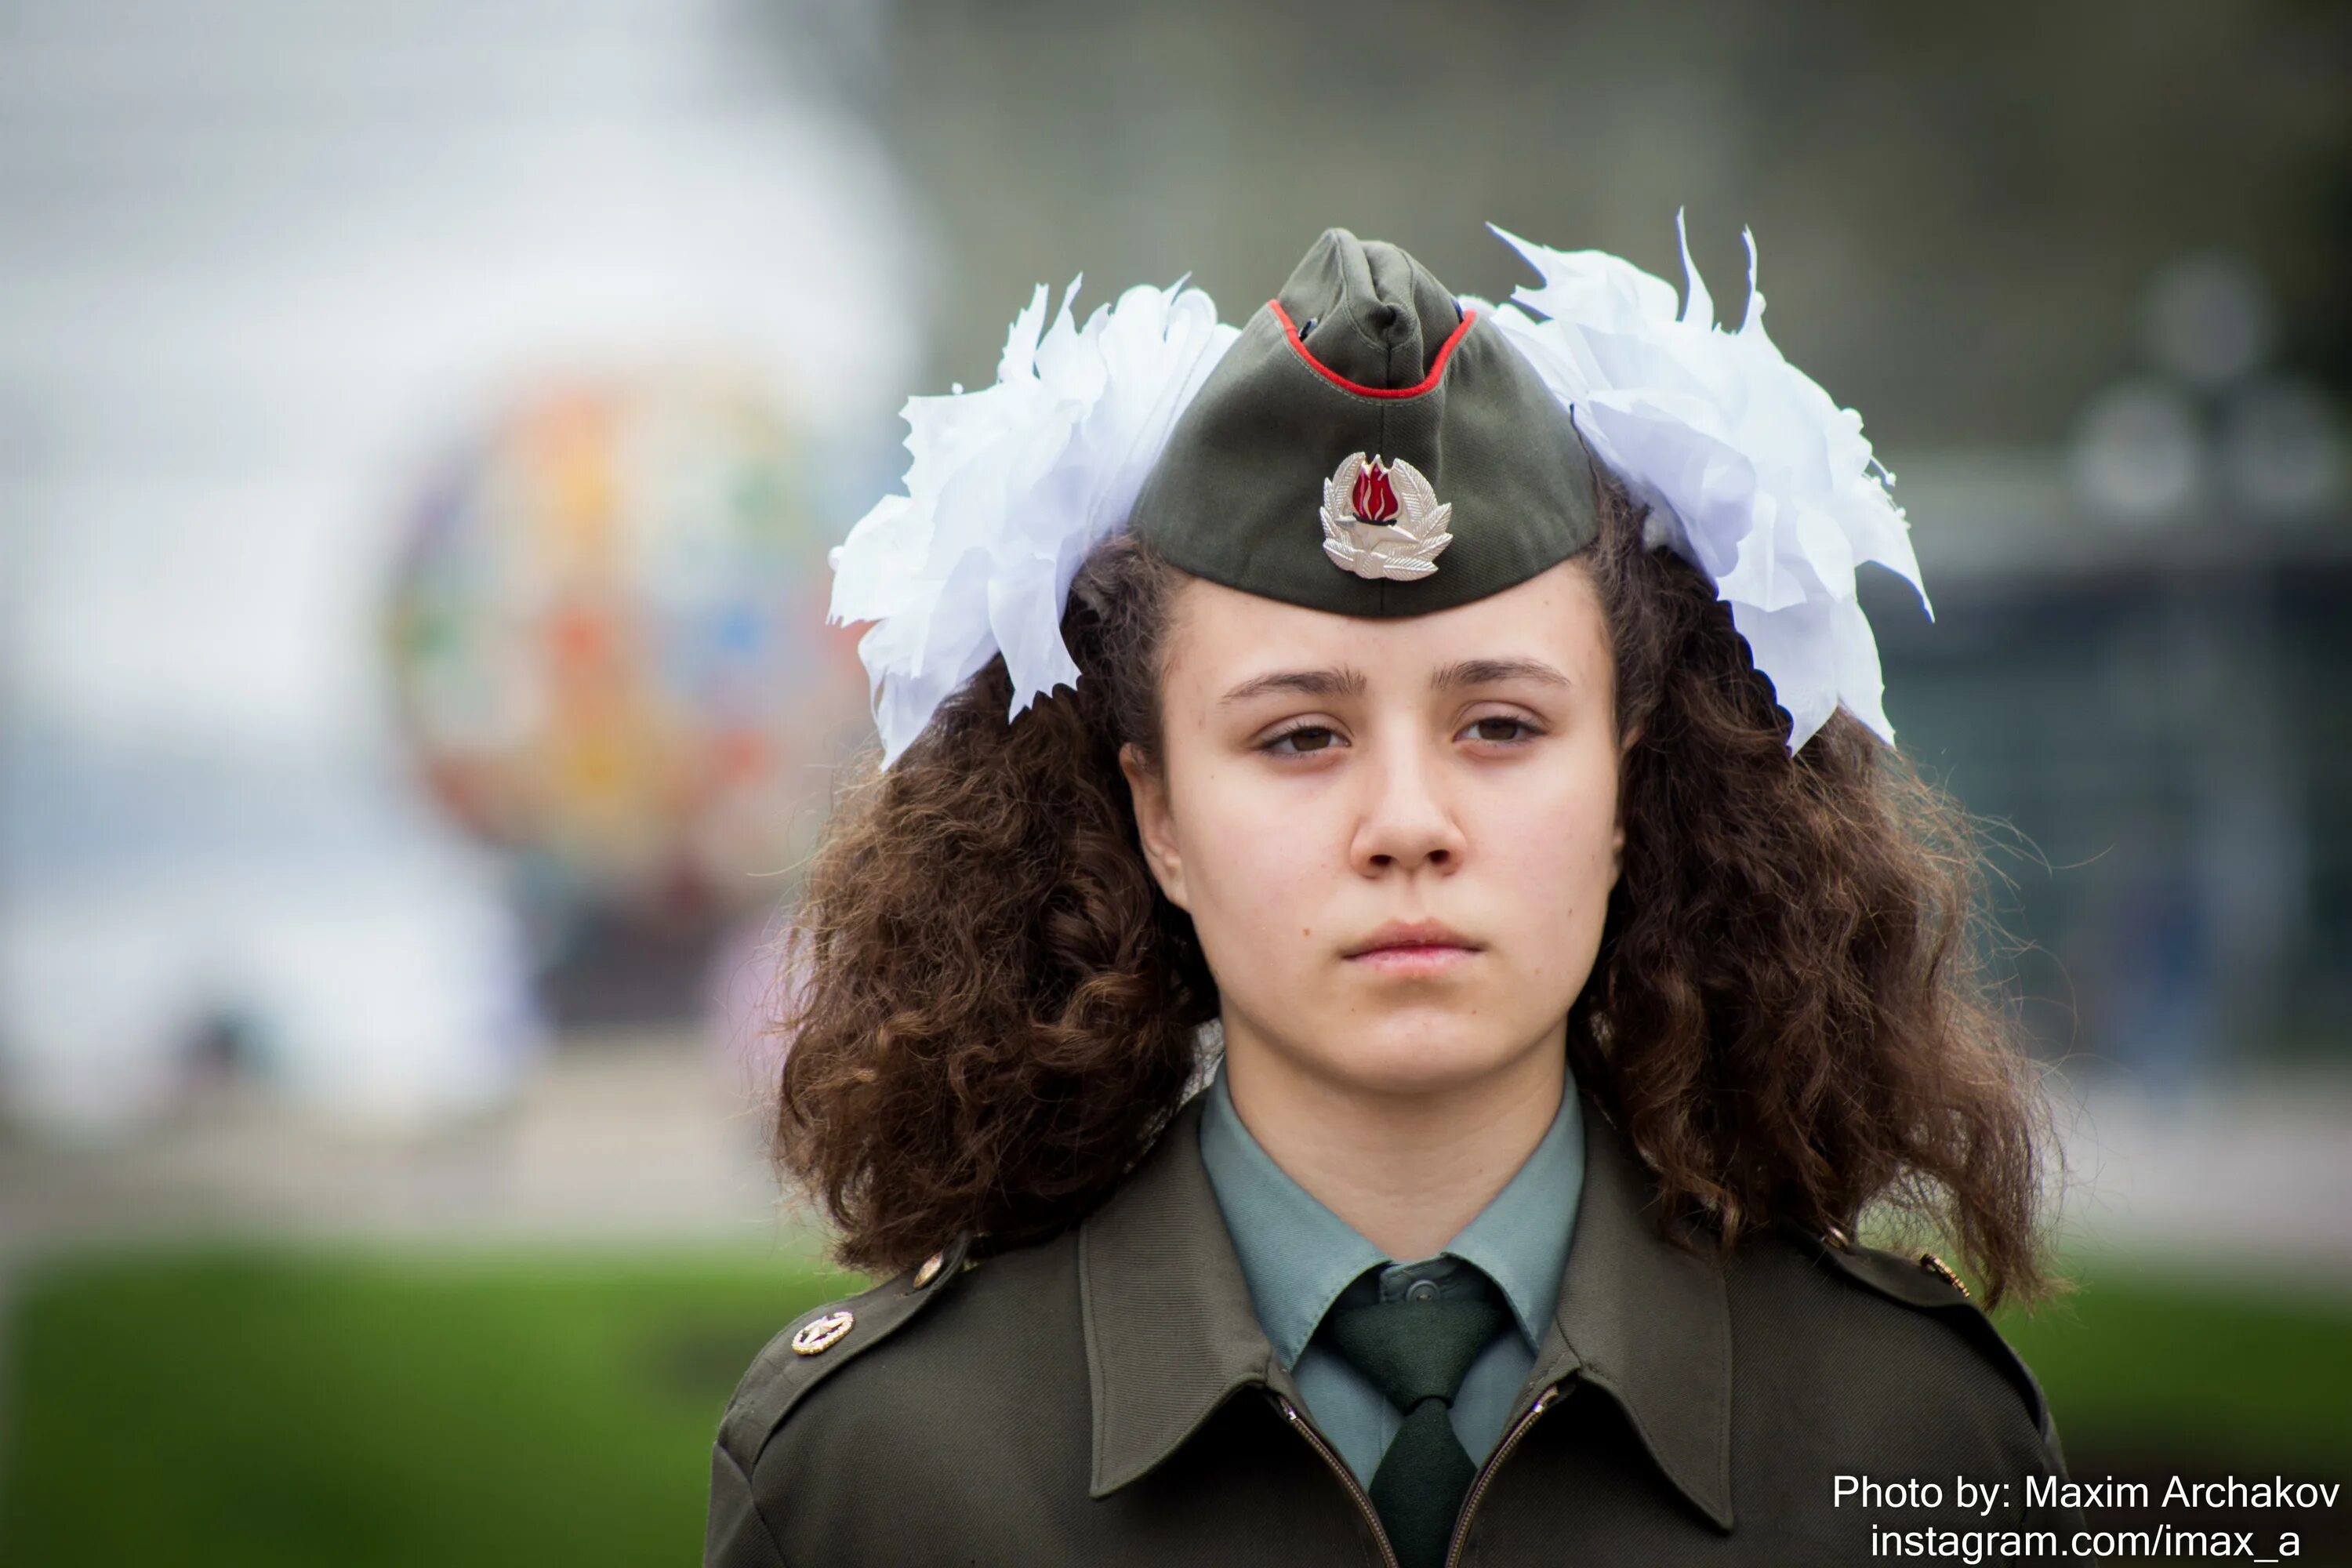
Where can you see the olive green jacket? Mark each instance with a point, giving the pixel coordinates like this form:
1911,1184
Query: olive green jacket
1107,1398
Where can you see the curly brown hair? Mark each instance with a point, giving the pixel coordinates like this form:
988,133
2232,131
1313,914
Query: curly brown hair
992,1011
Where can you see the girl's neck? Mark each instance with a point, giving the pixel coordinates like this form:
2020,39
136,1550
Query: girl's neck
1407,1171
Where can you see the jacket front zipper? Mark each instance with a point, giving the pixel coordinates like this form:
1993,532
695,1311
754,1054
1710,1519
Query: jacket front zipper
1348,1477
1486,1473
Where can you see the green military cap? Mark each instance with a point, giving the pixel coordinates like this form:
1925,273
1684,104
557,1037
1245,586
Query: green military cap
1369,447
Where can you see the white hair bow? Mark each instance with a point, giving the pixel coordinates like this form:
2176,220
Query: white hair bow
1009,487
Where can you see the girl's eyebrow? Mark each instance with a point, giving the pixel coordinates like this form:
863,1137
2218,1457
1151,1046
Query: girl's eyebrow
1489,671
1346,680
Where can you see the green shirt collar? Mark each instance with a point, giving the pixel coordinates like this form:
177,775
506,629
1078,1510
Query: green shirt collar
1297,1256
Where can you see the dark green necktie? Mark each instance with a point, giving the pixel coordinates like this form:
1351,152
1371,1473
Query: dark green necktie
1416,1353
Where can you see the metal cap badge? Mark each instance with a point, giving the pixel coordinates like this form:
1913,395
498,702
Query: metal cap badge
1384,519
1455,444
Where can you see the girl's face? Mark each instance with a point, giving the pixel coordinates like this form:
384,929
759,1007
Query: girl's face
1332,780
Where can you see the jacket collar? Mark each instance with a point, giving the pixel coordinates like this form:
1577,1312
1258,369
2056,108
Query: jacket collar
1170,1332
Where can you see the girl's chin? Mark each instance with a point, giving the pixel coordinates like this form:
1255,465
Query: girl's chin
1415,1063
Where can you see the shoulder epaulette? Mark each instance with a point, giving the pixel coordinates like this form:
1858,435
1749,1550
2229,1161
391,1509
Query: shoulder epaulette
1924,1281
823,1340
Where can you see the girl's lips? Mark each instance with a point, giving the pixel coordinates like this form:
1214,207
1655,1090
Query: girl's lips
1422,960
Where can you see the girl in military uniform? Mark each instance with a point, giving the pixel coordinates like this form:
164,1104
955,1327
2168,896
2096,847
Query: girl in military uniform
1387,956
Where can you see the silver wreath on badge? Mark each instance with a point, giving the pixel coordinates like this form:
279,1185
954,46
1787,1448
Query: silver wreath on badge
1384,519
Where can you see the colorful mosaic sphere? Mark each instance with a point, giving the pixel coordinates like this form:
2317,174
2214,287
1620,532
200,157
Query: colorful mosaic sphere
608,643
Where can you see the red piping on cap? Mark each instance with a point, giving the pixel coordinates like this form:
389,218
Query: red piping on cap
1436,368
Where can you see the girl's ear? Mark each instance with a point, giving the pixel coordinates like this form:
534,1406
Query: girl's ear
1149,791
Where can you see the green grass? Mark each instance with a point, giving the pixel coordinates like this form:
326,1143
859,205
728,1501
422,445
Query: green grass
264,1409
2211,1370
260,1408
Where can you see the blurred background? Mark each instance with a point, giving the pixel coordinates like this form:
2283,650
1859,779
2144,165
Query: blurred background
421,426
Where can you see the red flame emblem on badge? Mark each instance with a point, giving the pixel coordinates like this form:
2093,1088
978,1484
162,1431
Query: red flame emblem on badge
1374,499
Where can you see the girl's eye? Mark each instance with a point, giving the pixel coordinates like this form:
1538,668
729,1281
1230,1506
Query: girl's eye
1311,738
1484,733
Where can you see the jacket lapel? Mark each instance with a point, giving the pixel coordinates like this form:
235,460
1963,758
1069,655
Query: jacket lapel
1646,1323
